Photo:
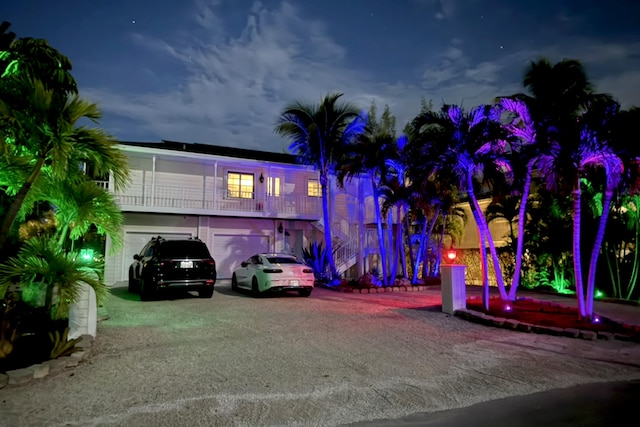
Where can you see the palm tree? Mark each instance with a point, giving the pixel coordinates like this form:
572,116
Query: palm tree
572,126
41,263
318,135
41,129
464,146
79,205
366,156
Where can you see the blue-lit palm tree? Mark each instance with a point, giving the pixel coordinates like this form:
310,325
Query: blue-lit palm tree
366,155
465,146
318,134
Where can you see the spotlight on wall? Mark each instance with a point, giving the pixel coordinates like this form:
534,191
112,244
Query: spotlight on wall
261,179
280,228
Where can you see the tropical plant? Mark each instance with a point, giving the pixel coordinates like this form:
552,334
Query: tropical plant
50,277
317,258
318,135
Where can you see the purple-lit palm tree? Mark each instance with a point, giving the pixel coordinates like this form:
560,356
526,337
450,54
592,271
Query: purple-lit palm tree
463,146
318,135
572,127
522,127
585,149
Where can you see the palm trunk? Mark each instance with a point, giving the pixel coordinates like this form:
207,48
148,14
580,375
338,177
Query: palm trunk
383,252
485,269
424,243
515,282
591,278
577,262
327,228
482,224
392,267
407,228
420,253
402,258
16,204
440,245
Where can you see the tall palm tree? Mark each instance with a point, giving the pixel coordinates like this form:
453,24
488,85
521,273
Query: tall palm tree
42,129
366,156
464,147
572,128
318,135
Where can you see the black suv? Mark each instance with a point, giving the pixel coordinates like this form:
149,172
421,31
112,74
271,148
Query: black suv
172,264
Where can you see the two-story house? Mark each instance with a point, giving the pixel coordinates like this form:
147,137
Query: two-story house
238,201
241,202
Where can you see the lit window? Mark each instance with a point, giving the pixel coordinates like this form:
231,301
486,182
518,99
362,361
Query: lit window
273,186
313,188
240,185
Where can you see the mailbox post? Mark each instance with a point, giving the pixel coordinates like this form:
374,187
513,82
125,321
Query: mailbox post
454,292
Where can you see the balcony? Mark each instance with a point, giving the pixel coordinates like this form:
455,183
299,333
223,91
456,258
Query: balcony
167,199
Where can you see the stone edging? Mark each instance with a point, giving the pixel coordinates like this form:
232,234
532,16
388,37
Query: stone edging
379,289
501,322
48,367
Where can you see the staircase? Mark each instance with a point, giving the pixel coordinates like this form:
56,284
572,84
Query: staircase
345,242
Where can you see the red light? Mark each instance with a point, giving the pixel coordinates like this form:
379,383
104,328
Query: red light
451,254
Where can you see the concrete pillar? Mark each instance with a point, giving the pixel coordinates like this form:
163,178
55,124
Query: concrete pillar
83,314
454,295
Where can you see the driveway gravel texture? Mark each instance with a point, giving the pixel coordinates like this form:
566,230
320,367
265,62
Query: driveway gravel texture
330,359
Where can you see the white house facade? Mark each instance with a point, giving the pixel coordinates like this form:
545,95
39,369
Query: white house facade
239,202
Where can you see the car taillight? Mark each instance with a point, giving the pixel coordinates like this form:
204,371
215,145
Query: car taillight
209,261
272,270
307,270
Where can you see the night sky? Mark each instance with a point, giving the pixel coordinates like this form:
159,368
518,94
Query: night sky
219,71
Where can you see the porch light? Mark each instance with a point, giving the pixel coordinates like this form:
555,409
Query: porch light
280,228
261,179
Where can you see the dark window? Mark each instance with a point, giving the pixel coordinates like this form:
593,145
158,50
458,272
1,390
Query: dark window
282,260
184,249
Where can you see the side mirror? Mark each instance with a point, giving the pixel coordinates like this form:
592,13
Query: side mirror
136,257
243,264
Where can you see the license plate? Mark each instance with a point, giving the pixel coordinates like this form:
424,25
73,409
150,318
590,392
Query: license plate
186,264
294,283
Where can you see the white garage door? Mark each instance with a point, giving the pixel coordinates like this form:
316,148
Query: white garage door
135,241
229,250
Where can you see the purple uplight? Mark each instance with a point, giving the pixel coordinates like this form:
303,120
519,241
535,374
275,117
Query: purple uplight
596,319
507,308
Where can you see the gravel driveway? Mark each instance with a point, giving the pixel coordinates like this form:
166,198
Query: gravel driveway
329,359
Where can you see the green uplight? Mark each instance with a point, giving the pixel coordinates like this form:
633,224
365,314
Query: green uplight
599,294
86,254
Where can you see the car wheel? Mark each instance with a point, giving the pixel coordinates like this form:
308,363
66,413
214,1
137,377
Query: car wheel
234,283
131,286
304,292
206,293
147,292
255,289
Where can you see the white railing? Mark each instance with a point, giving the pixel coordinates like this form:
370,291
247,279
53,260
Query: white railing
146,196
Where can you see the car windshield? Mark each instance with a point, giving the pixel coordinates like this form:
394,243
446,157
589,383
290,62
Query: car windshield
282,260
184,249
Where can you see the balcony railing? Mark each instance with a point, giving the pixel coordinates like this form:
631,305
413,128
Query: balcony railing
142,197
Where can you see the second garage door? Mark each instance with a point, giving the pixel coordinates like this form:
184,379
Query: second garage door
229,250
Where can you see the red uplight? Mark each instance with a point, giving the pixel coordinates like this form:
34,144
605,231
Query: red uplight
451,254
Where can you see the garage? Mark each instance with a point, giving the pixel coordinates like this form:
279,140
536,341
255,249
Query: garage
134,241
229,250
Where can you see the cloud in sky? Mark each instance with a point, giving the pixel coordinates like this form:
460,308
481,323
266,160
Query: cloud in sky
223,81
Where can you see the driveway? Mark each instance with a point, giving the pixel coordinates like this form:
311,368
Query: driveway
329,359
